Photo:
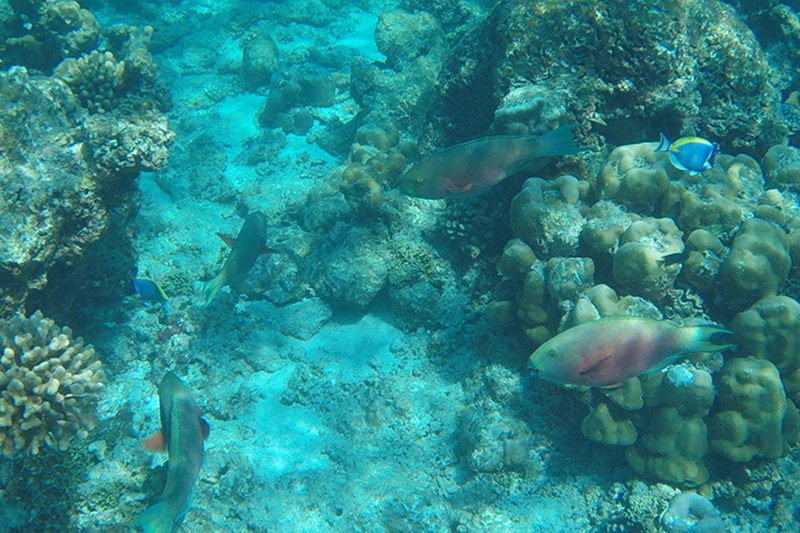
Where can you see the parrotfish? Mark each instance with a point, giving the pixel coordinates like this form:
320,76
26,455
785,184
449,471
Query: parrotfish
245,249
473,167
606,352
150,292
182,435
688,153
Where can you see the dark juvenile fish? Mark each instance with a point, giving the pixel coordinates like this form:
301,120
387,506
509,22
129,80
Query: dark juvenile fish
245,249
182,434
473,167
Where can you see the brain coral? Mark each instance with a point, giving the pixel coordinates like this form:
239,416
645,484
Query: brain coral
49,384
647,66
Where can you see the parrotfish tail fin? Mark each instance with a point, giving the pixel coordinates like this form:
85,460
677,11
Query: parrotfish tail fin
212,288
155,519
556,142
708,338
663,144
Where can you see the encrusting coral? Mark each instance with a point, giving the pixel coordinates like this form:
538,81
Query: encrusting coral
49,383
751,412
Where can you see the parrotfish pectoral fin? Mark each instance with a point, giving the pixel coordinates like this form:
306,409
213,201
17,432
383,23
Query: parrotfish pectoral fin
227,239
205,429
154,442
599,369
459,188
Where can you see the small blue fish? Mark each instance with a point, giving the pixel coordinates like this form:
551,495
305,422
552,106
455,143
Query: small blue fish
688,153
150,292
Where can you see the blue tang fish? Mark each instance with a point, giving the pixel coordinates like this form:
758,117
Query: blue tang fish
150,292
688,153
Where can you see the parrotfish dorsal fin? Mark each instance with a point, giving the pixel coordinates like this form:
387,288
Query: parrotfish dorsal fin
227,239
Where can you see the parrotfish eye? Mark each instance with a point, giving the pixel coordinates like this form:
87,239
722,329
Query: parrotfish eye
419,179
551,353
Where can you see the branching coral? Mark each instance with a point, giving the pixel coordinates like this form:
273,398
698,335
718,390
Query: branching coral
49,384
96,78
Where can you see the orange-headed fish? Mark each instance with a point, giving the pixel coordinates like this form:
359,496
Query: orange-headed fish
182,434
473,167
245,249
606,352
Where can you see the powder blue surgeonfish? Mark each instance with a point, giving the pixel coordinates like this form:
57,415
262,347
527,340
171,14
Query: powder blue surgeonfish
150,292
688,153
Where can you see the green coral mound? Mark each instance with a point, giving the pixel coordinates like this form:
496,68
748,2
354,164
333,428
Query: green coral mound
49,383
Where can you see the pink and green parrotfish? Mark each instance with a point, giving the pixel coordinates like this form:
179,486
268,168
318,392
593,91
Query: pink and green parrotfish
606,352
182,435
245,249
473,167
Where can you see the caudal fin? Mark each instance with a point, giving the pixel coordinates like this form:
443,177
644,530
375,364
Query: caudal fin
557,142
212,287
154,519
708,338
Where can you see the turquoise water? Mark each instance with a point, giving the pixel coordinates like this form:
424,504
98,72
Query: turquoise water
370,371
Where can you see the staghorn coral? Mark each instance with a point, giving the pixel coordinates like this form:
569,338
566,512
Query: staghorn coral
50,384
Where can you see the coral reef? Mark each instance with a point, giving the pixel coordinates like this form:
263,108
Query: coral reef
96,78
749,414
653,80
493,440
547,215
758,263
52,147
43,32
689,512
639,264
376,159
50,384
635,176
403,92
770,330
259,56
